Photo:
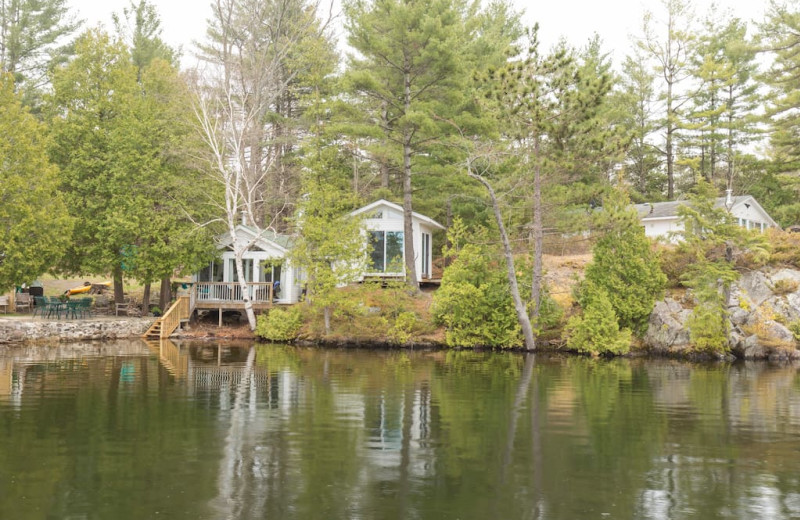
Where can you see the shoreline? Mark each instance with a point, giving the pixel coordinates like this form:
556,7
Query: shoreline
26,331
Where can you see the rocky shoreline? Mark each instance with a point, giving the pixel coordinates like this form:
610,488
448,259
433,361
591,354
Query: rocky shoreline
26,331
764,311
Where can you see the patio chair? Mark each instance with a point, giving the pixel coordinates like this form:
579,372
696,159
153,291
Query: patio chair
41,306
23,301
124,306
85,307
4,303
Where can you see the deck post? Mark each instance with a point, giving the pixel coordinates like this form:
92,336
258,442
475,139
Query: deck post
220,316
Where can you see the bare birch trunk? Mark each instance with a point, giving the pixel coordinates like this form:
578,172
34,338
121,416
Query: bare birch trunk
519,305
248,304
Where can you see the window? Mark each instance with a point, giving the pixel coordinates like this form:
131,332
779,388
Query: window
387,251
247,267
211,273
270,272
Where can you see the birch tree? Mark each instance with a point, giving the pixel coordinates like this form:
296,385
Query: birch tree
253,57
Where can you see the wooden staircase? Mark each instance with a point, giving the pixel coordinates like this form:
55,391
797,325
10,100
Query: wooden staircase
164,326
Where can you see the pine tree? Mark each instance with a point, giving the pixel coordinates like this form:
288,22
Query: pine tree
668,43
408,77
34,38
637,101
780,34
624,264
714,240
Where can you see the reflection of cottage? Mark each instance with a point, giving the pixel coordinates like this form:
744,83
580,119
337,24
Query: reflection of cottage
265,263
661,218
383,221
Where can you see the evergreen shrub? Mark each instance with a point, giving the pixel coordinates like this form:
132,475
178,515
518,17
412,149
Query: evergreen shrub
597,331
280,324
474,301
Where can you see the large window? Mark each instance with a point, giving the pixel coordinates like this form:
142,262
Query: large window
387,251
270,272
247,267
211,273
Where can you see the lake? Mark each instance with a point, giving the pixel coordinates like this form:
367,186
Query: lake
126,430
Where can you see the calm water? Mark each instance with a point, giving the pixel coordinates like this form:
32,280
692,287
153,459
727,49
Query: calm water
127,431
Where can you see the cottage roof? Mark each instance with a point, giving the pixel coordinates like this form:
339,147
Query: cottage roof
382,202
283,242
668,210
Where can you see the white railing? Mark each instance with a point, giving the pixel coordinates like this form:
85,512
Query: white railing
232,292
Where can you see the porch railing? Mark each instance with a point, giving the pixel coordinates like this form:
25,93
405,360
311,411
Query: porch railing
232,292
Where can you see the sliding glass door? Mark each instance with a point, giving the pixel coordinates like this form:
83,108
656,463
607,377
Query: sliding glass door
387,252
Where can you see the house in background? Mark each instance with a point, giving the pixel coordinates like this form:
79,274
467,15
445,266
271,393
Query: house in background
383,223
661,218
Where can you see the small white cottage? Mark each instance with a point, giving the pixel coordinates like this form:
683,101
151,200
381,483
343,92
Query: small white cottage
661,218
267,261
265,264
383,222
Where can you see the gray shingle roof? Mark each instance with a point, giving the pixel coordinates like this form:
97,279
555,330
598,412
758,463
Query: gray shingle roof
670,209
285,241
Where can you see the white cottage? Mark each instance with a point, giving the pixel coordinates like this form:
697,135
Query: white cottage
383,222
661,218
267,261
264,264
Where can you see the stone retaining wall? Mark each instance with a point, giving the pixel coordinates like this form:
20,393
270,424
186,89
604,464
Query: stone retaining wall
48,331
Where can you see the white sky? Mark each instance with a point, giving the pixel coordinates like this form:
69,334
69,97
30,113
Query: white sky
184,21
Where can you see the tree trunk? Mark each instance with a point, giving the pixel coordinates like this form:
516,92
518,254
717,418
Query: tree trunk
408,230
384,161
146,299
248,304
538,233
326,316
519,305
119,289
166,294
668,147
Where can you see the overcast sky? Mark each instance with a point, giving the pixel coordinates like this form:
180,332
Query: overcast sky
576,20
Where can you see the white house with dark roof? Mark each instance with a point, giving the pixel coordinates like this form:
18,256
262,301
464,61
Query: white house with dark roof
661,218
383,223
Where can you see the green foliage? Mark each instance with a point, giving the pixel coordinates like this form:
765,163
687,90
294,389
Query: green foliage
280,324
708,324
597,331
795,328
474,302
713,240
785,248
403,327
624,264
34,224
33,39
550,312
116,131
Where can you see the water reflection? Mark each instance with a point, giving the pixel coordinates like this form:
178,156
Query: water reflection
135,430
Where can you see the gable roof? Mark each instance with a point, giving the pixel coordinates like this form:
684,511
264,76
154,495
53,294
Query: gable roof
669,210
281,242
382,202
